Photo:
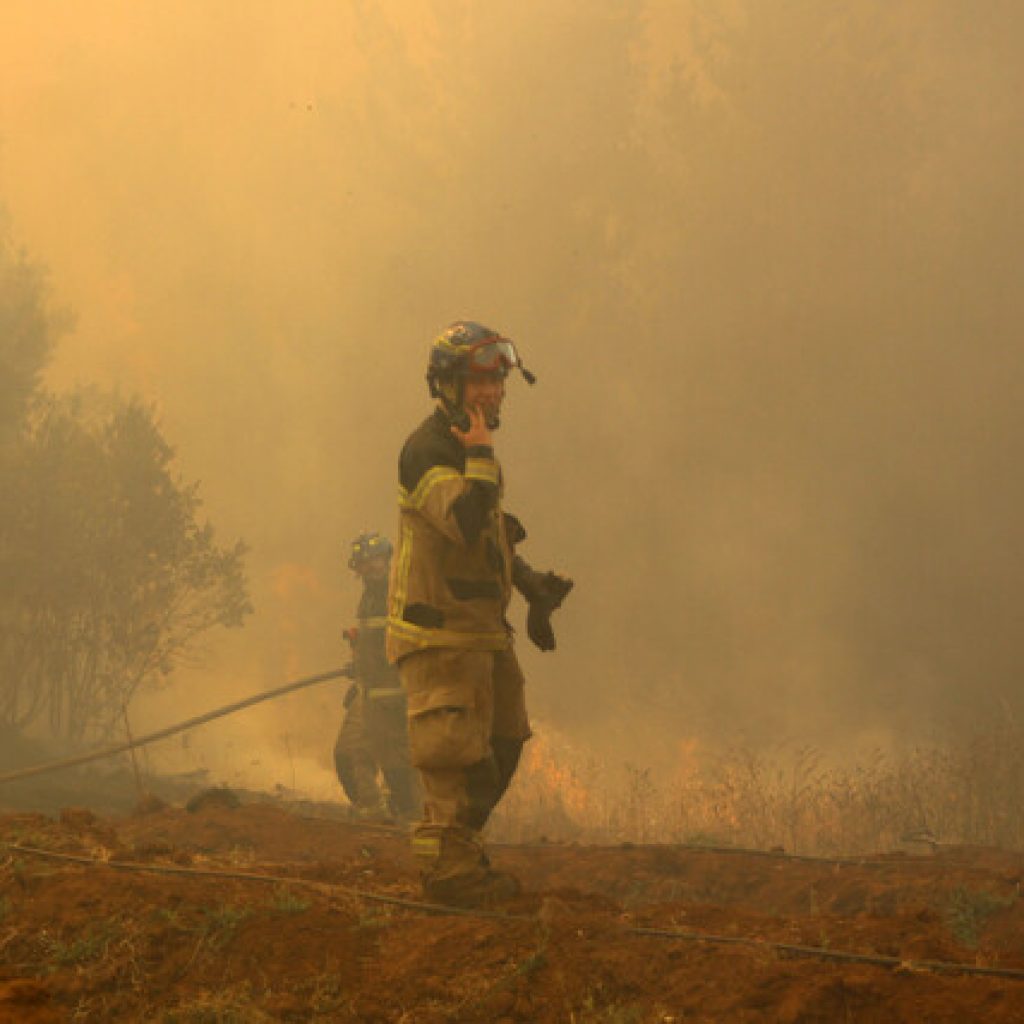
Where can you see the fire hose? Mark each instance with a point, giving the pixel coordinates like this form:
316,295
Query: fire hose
814,952
749,942
171,730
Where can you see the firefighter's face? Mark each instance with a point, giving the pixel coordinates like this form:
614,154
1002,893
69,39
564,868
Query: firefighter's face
484,391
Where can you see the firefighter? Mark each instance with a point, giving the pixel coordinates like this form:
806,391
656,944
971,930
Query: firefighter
451,582
373,738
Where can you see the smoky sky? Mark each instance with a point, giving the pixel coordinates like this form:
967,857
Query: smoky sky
764,259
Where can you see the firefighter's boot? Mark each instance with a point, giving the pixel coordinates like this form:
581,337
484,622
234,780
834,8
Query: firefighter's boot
455,871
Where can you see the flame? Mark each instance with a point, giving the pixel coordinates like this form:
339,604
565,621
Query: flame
548,769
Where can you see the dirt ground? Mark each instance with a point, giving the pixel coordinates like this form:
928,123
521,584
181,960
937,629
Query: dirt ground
91,942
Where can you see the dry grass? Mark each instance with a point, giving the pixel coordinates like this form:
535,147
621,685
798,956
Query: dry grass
967,791
228,1006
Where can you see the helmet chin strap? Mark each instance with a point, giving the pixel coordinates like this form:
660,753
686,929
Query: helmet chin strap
455,410
457,416
492,419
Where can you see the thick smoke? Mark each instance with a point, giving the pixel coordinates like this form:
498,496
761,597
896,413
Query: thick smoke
763,258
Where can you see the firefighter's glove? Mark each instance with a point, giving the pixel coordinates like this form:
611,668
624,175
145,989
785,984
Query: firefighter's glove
544,592
548,592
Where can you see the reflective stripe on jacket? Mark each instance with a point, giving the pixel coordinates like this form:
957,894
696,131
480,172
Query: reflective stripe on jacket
451,576
369,658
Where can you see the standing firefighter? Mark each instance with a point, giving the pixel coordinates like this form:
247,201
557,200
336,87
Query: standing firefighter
450,586
373,735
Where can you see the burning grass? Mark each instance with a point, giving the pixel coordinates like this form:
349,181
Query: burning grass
965,792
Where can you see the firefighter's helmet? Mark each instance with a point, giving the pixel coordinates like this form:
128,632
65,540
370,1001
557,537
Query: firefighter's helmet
465,347
367,546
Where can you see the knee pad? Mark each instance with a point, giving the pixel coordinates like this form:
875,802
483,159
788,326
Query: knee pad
451,736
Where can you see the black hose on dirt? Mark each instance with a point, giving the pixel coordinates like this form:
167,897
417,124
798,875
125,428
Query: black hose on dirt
784,948
327,888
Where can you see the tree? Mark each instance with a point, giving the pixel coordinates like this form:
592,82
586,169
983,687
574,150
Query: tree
109,575
28,332
112,576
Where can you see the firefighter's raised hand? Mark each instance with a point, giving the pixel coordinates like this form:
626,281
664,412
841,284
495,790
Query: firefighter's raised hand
479,433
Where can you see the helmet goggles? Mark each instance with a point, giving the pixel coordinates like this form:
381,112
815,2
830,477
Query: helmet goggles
467,347
492,355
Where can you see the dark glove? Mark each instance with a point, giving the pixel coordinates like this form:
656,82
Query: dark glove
544,591
514,529
538,627
350,695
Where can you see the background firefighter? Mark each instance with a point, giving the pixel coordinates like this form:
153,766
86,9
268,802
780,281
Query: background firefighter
450,587
373,739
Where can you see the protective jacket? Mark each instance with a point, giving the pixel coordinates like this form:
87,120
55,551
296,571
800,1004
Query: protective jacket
451,579
374,735
369,659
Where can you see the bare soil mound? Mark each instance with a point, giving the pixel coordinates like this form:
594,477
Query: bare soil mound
93,942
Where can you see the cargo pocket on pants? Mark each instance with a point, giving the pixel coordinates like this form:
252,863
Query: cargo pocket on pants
449,736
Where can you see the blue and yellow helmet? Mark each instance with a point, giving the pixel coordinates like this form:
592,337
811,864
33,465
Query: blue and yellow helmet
367,546
466,347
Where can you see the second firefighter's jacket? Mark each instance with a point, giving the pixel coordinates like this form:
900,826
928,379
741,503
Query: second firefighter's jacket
451,579
369,660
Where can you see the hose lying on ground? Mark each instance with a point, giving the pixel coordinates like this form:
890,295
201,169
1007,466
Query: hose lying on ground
785,948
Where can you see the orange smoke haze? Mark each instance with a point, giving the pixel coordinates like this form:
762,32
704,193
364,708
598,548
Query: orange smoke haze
763,258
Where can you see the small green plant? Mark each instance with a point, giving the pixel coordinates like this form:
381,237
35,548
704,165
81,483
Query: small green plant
284,901
967,912
592,1012
220,923
226,916
171,916
375,919
533,963
326,992
226,1007
90,945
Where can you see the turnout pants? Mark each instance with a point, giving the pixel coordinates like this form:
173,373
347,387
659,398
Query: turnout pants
467,726
373,738
384,720
357,771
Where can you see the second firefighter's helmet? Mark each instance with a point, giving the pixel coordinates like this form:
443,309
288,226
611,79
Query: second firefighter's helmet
367,546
